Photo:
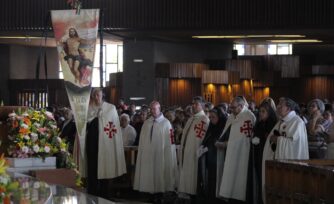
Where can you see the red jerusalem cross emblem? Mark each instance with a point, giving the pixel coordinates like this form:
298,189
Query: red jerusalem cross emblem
199,130
110,129
247,128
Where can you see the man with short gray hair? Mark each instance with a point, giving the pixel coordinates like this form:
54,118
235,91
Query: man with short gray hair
236,138
156,166
288,138
192,136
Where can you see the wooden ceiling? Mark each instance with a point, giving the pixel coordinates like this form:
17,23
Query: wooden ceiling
180,19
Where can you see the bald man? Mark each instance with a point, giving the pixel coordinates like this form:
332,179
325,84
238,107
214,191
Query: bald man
156,166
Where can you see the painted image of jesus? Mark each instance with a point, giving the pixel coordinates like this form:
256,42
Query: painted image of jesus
76,56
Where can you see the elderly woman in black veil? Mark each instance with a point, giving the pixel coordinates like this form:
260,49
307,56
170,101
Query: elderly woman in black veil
207,164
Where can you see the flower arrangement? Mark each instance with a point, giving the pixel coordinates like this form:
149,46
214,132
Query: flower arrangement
7,187
34,134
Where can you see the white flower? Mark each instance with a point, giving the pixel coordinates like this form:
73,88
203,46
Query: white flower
25,114
36,184
34,136
25,126
53,126
35,148
255,141
12,115
47,149
63,149
58,139
26,137
49,115
37,125
25,149
25,184
4,179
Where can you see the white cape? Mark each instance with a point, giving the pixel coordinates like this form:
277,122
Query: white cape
234,180
156,165
111,160
293,145
192,136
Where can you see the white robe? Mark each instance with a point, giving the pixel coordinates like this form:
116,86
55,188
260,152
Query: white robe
192,136
293,145
330,144
129,135
234,179
156,164
111,160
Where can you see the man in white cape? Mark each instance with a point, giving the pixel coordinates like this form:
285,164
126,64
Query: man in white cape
288,138
103,143
156,166
192,136
240,124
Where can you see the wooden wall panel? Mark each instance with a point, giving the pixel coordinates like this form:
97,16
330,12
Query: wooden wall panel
260,94
248,69
287,64
316,87
220,77
112,94
161,90
57,94
245,88
322,70
218,93
181,91
180,70
116,79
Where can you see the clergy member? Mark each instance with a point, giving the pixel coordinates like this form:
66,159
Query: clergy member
288,138
104,145
239,131
156,166
192,136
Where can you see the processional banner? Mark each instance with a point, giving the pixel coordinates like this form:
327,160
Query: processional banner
75,35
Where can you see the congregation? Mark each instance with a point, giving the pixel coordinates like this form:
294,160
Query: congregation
214,153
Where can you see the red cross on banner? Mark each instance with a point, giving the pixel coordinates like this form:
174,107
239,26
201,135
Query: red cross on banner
199,130
247,128
110,129
171,133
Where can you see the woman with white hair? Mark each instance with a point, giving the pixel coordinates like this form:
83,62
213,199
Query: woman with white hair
128,132
316,129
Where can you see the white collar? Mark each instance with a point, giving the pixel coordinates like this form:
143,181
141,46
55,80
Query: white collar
199,113
289,116
244,109
158,119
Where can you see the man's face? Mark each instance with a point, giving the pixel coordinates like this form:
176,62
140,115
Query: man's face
155,110
282,109
196,106
71,33
123,122
98,97
235,108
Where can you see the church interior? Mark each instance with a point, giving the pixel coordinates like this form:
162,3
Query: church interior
171,51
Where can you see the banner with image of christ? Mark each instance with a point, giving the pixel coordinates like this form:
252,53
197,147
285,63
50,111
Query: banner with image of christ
75,36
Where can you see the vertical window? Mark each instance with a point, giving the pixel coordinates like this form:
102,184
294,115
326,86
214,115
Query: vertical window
240,48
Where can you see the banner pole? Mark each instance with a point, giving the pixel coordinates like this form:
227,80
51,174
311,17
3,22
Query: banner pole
101,47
